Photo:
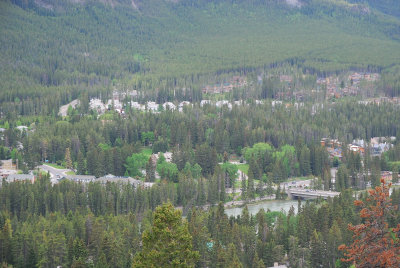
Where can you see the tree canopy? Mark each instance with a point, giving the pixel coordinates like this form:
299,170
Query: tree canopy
168,242
375,244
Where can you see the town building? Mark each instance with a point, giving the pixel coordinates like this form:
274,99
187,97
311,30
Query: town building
80,178
20,177
169,106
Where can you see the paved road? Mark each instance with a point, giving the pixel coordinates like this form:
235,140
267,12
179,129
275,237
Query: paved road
296,184
310,194
55,173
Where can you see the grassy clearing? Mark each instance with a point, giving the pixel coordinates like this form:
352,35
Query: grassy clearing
55,166
243,168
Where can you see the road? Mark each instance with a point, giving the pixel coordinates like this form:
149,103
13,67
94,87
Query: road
311,194
64,109
296,184
55,173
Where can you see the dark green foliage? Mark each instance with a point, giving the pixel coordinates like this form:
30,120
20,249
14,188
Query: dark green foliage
57,51
168,242
206,157
43,232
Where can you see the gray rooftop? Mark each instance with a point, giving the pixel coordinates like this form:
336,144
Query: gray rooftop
81,178
20,177
116,179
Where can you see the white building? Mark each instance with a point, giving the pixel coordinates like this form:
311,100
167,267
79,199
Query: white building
136,105
238,103
204,102
22,128
276,103
169,106
222,103
152,106
114,104
98,105
182,104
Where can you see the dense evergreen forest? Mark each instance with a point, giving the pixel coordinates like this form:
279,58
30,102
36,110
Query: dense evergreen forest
96,226
202,137
55,51
282,71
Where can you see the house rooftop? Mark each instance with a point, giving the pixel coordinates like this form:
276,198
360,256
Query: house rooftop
80,178
20,177
117,179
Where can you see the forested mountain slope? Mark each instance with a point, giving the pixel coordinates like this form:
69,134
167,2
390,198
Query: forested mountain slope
70,43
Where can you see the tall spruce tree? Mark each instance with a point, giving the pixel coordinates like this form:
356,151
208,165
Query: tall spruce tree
168,243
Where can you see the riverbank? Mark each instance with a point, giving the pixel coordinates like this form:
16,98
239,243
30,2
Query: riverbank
241,203
266,205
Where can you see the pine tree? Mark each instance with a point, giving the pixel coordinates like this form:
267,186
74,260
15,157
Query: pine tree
257,262
201,196
278,192
395,174
342,178
168,243
32,260
250,187
375,172
244,188
233,259
260,189
6,242
318,250
150,170
81,163
333,240
305,166
67,158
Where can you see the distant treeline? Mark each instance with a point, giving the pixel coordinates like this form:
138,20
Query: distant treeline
55,50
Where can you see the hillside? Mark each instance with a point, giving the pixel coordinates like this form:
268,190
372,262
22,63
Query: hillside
70,43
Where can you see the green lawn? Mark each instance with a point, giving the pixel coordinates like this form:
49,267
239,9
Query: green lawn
70,173
55,166
244,168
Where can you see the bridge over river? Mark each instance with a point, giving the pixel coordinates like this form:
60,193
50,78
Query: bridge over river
298,193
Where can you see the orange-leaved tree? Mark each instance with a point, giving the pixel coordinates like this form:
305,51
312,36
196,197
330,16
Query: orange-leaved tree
374,243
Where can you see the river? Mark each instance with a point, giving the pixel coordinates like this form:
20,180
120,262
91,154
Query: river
272,205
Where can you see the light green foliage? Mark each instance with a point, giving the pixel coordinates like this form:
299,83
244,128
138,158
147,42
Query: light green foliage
55,166
104,146
244,168
168,171
147,137
230,169
257,150
196,171
168,242
135,163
